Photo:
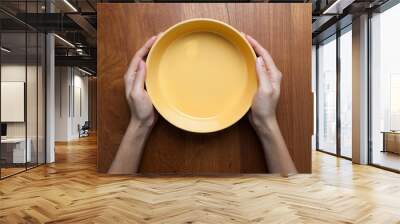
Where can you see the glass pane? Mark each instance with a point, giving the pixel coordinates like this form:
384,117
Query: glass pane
14,154
314,74
386,89
31,88
327,96
31,97
346,94
41,98
23,90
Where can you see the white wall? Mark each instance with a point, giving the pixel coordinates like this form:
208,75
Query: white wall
16,73
71,93
12,73
62,81
80,85
33,127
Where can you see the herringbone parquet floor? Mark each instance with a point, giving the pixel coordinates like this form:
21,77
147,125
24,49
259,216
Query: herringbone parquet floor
70,191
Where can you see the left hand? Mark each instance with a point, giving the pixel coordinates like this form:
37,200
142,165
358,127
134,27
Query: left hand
142,111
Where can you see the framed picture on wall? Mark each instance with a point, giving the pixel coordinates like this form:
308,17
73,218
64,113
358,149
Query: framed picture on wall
12,101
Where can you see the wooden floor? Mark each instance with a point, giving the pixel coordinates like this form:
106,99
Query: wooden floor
5,172
387,159
70,191
8,171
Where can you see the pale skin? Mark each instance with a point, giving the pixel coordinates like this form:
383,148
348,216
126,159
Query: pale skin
262,115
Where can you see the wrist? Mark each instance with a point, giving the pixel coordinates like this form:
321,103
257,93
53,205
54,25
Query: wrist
267,126
140,126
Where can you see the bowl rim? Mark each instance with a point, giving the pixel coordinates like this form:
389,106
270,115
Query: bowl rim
170,29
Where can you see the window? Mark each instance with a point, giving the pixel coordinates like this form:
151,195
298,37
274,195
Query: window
335,74
394,102
385,89
346,93
327,96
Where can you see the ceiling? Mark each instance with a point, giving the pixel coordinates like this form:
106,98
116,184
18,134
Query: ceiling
16,42
76,22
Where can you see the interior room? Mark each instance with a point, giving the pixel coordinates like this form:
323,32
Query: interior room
22,105
66,112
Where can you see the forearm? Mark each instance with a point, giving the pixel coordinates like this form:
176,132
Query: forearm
128,157
275,150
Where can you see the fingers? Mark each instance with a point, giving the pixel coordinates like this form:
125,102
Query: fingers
134,65
146,47
263,53
140,54
140,77
128,83
262,76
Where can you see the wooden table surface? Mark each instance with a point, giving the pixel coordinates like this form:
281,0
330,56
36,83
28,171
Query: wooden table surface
284,29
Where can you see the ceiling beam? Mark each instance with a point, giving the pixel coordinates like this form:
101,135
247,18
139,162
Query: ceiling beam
49,22
337,7
84,24
82,61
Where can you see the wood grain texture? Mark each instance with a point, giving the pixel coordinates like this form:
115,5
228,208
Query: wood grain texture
71,191
92,95
284,29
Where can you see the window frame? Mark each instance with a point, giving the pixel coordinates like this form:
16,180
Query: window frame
334,37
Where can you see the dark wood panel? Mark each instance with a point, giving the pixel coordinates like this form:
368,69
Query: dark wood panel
284,29
92,90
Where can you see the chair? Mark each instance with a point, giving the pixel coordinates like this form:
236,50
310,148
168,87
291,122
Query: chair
84,130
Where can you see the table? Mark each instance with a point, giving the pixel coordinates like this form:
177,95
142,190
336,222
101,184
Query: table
284,29
391,141
13,150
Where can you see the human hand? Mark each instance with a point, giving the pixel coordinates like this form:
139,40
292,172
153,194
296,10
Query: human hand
143,116
263,116
142,111
262,113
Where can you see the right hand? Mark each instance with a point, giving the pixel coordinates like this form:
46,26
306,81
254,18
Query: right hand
142,111
263,109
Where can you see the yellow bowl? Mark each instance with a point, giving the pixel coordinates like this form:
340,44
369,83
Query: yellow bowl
201,75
